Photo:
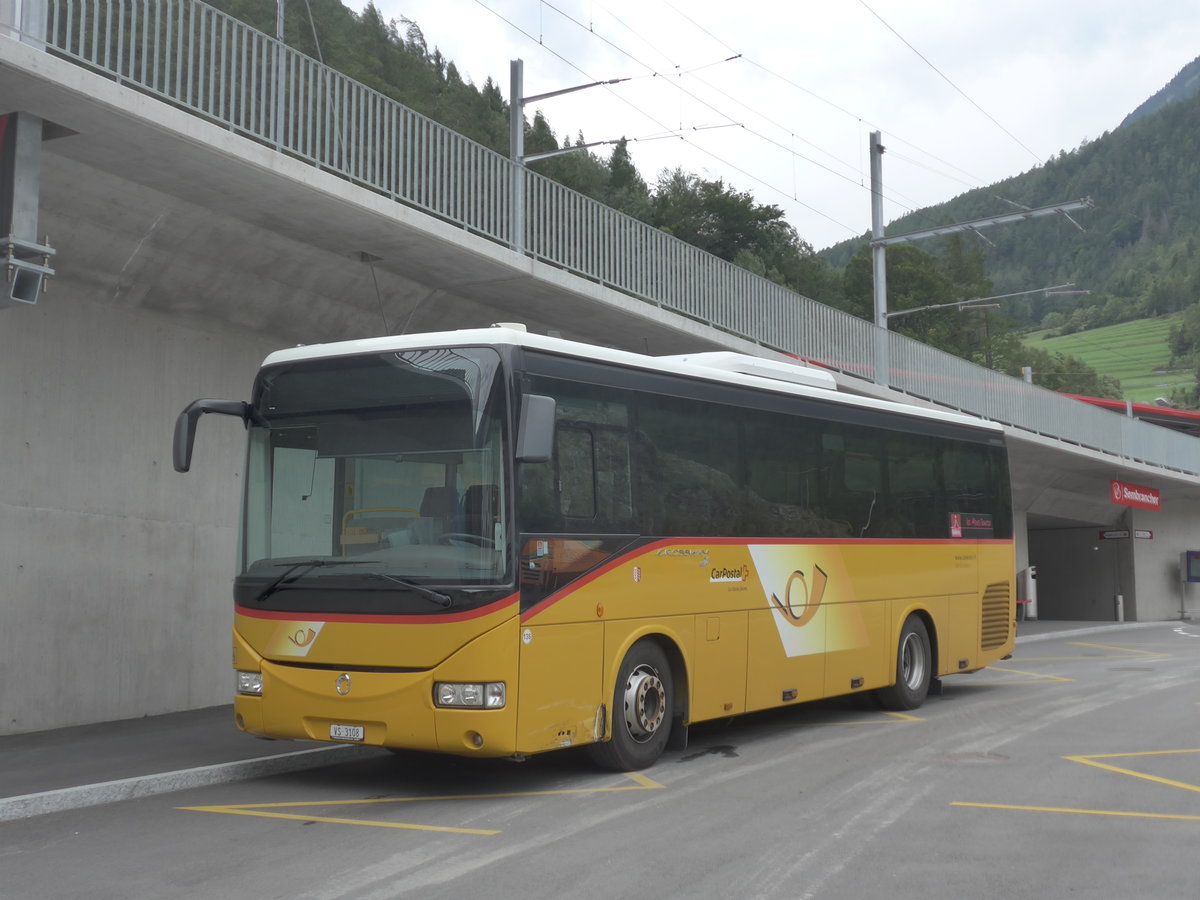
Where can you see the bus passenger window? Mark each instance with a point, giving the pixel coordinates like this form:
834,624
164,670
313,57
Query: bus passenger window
857,488
538,507
786,496
592,473
965,477
576,473
614,479
914,508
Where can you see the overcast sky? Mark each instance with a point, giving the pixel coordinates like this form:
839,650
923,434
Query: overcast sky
965,92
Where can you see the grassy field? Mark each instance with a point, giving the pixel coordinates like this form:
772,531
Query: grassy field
1135,353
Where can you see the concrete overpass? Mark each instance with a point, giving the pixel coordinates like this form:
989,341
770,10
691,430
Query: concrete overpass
188,249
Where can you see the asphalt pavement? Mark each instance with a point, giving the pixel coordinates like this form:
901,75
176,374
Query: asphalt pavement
70,768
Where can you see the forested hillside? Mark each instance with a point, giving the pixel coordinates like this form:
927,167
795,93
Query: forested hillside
1184,85
1137,256
398,60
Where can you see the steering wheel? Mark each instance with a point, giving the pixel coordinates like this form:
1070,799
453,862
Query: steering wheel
462,537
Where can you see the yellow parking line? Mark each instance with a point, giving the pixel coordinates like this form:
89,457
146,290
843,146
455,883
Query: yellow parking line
1120,649
642,780
1037,676
262,813
265,810
1025,659
1092,761
1080,812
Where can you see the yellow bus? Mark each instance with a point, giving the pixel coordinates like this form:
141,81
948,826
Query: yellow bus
494,543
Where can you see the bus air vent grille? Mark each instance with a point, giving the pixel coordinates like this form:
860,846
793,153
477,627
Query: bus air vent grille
997,617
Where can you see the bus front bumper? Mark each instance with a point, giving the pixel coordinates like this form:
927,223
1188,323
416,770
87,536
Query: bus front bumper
382,709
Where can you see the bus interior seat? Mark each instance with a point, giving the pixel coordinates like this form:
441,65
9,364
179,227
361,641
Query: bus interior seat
439,509
439,503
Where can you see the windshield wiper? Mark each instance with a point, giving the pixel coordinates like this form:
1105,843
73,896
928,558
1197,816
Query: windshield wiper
442,600
306,565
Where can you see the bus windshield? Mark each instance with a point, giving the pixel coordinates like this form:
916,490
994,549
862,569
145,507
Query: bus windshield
377,472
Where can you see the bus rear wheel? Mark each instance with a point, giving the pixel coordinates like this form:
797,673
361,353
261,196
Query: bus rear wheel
914,668
642,711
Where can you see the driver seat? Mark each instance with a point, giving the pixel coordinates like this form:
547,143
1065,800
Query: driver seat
439,510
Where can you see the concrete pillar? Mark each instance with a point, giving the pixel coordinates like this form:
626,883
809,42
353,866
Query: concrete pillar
20,182
20,174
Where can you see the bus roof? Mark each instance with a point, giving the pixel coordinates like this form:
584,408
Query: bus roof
778,376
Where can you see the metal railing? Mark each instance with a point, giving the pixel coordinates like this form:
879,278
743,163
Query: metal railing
193,56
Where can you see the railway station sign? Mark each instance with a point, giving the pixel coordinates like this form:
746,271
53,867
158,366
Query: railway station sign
1137,495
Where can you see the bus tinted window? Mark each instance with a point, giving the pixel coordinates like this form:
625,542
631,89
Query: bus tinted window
788,475
628,461
588,485
691,485
577,463
915,506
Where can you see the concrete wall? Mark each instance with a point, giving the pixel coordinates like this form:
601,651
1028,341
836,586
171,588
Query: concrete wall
116,570
1157,560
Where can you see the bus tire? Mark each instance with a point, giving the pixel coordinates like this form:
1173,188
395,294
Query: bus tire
642,711
914,668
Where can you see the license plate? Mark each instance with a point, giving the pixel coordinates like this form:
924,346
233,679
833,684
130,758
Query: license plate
346,732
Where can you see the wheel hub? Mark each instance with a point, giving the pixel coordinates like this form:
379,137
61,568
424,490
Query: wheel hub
912,662
645,703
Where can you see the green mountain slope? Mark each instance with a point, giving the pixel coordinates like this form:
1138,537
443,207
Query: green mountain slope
1137,353
1138,256
1184,85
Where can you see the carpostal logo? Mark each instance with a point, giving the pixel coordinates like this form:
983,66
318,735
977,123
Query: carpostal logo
720,574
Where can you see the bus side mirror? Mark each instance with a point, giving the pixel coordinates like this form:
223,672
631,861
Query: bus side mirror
185,426
535,432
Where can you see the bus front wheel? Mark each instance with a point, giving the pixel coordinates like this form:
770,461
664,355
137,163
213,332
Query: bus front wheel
642,711
914,668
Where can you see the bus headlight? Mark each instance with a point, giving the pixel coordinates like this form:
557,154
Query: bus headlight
249,683
458,695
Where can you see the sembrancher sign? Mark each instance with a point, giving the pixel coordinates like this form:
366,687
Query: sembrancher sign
1137,495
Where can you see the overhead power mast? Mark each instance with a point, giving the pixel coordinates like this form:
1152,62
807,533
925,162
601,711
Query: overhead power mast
879,244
